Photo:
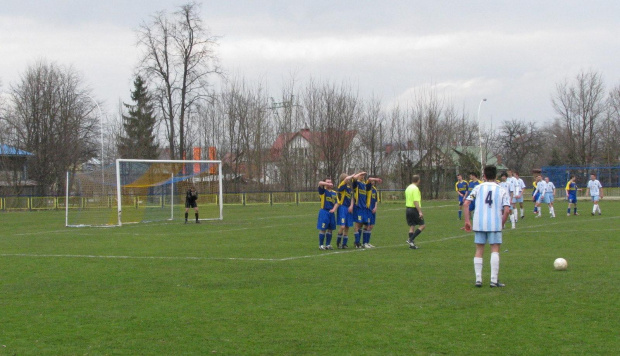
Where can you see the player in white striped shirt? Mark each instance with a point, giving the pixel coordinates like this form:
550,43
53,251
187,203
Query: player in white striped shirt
506,185
550,195
492,206
541,188
595,189
519,198
512,186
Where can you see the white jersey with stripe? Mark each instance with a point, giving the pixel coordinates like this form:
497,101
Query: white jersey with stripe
594,186
521,183
512,184
541,187
490,200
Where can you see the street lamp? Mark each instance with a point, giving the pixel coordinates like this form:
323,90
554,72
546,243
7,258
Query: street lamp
480,138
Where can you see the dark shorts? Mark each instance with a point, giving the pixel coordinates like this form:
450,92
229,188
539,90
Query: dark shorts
190,204
413,217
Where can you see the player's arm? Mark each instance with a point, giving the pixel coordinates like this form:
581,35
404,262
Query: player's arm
419,208
505,214
335,208
325,185
373,180
467,226
352,204
600,192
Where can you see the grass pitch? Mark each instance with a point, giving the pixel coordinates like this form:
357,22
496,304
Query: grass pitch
256,283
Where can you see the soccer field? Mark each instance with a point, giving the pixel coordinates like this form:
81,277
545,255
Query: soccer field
256,283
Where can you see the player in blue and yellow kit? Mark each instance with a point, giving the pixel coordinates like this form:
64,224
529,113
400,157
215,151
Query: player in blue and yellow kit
345,219
360,202
571,195
326,222
372,206
473,183
461,188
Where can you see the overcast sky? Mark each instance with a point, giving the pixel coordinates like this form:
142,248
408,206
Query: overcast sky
511,52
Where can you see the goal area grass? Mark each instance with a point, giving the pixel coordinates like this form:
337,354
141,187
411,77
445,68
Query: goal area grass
256,283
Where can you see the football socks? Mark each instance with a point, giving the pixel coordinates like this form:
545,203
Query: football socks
494,266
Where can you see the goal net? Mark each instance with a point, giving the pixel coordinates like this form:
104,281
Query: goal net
146,191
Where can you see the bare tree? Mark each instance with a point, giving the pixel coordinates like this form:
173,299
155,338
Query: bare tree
332,113
179,59
580,106
53,117
371,137
289,160
518,142
611,131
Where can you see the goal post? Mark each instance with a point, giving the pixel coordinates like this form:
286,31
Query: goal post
135,190
149,190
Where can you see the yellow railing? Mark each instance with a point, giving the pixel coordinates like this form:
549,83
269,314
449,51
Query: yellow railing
267,198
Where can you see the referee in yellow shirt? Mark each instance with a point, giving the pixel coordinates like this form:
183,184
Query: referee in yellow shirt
415,217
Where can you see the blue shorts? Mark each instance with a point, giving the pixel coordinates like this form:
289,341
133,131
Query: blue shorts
550,197
472,206
361,215
461,200
572,199
536,196
344,218
371,218
326,221
543,198
596,198
517,200
493,237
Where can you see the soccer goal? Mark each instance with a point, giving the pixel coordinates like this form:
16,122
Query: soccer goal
146,191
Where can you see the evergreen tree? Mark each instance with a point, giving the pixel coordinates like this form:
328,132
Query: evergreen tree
138,139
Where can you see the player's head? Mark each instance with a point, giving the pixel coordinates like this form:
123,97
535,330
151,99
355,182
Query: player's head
415,179
509,172
342,177
538,178
592,176
473,175
490,173
572,178
504,176
459,177
516,174
547,179
327,180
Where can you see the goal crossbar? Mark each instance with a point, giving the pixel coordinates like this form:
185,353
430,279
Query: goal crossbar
171,180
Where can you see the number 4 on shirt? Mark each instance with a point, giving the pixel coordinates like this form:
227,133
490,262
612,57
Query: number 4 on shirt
489,199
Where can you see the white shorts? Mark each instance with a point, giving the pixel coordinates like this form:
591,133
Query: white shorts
549,198
595,198
492,237
544,199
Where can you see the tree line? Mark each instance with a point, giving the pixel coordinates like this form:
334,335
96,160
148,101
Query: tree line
176,105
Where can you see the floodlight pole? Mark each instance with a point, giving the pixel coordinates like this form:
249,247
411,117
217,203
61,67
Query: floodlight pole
480,138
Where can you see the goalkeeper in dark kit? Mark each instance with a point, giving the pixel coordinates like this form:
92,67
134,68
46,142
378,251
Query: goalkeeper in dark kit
190,202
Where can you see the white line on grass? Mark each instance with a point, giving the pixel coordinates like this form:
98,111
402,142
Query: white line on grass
294,257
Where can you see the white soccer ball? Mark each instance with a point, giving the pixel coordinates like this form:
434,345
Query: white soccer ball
560,264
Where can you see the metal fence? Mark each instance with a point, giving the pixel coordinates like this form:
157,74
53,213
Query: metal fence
23,203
